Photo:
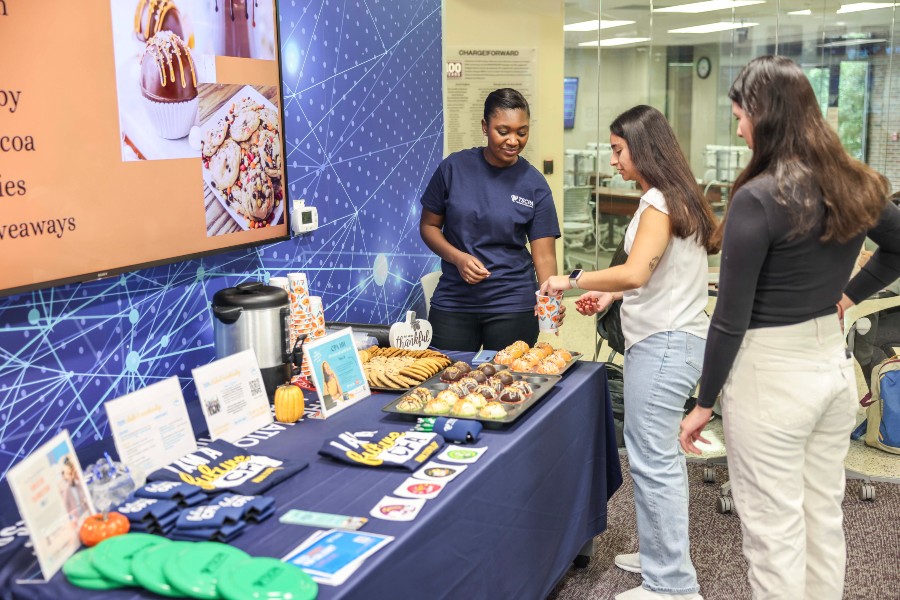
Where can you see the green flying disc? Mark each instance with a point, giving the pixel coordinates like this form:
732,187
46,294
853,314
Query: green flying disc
147,566
112,557
267,579
81,566
195,571
94,584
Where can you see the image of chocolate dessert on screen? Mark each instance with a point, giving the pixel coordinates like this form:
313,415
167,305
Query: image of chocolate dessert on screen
169,85
238,28
153,16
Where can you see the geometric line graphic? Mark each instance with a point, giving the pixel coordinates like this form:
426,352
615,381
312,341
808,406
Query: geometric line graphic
364,133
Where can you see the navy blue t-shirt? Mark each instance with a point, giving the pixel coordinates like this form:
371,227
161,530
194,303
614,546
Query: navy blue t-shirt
491,213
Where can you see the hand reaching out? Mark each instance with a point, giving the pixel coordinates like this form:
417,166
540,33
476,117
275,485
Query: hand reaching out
592,303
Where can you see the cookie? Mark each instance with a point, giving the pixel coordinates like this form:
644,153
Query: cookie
244,104
255,194
268,119
269,149
224,165
214,137
245,123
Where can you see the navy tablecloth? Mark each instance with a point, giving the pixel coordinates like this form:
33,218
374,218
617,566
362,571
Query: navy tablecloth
508,527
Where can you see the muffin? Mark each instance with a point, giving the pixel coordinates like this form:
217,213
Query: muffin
411,403
477,399
487,391
464,408
547,368
153,16
169,85
488,369
504,377
492,410
523,386
468,383
451,374
511,395
462,366
478,376
447,396
437,407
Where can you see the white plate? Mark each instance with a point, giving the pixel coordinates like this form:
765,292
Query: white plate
221,113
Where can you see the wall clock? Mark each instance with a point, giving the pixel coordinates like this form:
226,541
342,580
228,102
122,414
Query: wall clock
704,66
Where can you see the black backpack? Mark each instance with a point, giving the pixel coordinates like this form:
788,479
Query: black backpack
609,324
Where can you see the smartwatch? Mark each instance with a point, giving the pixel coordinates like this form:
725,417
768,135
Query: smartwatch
573,278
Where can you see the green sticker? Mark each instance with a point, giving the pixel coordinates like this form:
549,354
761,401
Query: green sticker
267,579
112,557
462,454
195,571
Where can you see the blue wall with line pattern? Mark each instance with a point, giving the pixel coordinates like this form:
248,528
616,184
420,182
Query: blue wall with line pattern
363,129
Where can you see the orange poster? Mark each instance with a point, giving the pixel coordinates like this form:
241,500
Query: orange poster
135,132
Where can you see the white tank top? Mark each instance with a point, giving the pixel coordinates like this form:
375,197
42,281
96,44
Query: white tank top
675,296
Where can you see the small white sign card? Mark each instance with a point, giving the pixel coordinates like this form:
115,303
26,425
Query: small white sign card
412,334
151,427
53,500
337,371
233,396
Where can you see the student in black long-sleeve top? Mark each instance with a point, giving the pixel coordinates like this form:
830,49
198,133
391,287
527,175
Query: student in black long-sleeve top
775,349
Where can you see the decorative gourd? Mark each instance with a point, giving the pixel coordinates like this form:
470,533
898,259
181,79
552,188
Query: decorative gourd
288,403
99,527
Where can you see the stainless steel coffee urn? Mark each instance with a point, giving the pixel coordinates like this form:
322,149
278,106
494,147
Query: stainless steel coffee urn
257,316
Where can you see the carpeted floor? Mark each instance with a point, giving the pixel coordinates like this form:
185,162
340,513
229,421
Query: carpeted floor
873,541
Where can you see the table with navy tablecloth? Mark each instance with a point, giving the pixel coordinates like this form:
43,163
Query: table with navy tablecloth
507,527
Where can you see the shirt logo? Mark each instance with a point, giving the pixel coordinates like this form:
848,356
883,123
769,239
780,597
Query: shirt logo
522,201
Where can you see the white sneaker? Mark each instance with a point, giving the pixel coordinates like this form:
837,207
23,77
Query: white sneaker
629,562
639,593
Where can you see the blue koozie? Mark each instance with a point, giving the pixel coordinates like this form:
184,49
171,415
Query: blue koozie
457,430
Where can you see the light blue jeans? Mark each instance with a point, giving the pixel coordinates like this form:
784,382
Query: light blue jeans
660,372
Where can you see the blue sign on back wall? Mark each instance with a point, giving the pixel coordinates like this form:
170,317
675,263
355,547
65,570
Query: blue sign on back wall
364,132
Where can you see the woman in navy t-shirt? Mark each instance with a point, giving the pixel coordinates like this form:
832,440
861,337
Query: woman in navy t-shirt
480,209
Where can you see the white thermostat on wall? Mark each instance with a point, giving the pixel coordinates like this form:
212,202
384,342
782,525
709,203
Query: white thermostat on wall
304,218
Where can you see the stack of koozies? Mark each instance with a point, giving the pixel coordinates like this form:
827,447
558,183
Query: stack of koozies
256,508
185,494
224,519
150,515
209,522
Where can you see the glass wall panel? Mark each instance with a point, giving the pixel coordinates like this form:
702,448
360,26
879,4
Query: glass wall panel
682,57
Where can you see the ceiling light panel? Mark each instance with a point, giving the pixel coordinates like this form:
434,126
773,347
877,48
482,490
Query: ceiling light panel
712,27
595,25
861,6
708,6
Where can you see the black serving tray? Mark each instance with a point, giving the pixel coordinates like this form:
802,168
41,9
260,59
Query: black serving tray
541,385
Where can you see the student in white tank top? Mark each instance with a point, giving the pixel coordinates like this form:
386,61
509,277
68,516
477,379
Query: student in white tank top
663,288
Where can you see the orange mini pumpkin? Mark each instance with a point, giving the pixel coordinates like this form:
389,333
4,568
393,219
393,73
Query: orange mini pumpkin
288,403
99,527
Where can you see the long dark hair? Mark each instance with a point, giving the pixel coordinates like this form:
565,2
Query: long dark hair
658,158
504,99
793,143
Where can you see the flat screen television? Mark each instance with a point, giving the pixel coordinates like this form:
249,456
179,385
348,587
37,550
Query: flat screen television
570,97
148,132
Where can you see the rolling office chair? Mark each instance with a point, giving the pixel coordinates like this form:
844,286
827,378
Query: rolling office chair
577,224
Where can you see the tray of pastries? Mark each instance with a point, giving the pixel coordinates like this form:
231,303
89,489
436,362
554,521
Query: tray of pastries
492,394
394,369
543,359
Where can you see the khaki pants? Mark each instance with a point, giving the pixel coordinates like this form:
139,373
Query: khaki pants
788,409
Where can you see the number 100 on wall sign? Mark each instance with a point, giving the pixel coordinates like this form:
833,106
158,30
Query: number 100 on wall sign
454,69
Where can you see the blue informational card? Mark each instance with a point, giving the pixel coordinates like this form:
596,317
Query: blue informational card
331,554
337,371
